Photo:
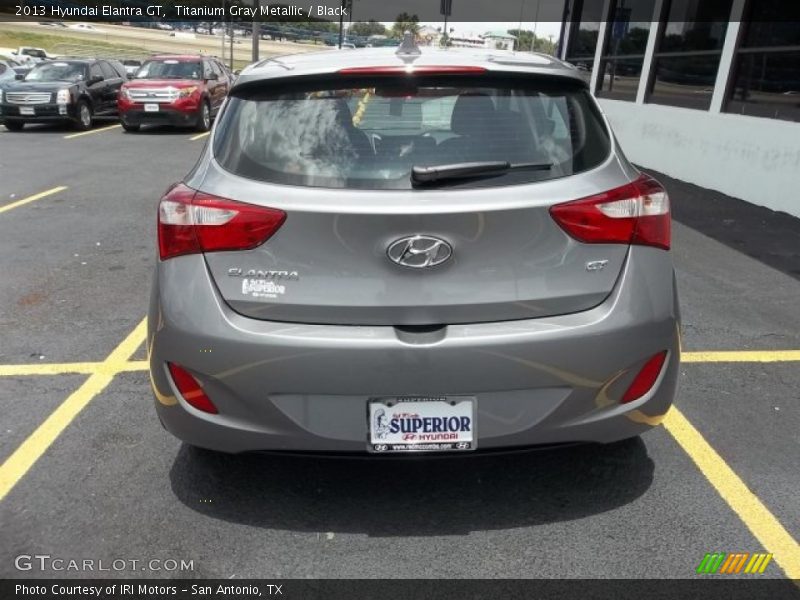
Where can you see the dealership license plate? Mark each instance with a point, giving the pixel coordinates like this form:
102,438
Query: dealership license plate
27,110
422,424
151,108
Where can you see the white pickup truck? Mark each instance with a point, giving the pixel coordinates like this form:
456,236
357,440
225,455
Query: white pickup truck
29,54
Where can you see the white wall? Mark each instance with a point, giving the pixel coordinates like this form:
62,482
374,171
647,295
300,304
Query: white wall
751,158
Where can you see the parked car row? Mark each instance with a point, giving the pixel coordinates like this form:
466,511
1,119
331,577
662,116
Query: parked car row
185,90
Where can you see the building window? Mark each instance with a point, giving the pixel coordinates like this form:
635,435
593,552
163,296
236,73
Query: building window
688,53
623,51
766,70
585,16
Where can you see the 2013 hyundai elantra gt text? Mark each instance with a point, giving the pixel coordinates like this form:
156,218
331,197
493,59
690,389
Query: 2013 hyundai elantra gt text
390,250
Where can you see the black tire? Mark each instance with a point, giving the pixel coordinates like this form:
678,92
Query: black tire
14,125
85,119
204,117
130,128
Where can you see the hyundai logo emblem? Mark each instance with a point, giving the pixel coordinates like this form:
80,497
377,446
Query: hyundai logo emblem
419,251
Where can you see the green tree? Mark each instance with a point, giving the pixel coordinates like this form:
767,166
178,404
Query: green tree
405,22
528,42
367,29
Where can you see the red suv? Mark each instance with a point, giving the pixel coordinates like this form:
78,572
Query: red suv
174,90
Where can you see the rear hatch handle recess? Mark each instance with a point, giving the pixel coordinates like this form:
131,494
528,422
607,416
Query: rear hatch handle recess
469,170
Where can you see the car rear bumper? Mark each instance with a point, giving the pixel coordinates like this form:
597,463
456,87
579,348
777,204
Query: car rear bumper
166,115
296,387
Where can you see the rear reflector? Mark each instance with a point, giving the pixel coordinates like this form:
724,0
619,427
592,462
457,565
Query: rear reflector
190,222
644,381
412,70
191,390
635,213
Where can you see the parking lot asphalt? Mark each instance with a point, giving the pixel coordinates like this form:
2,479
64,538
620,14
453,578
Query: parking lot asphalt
88,472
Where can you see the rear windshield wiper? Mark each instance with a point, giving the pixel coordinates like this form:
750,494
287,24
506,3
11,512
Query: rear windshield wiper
468,170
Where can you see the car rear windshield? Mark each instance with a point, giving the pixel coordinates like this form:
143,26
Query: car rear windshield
363,134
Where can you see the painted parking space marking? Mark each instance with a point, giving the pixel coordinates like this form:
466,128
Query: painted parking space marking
742,356
731,488
747,506
90,132
29,199
31,450
88,368
80,368
200,136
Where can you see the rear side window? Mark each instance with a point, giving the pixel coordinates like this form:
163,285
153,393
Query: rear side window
119,69
369,134
108,72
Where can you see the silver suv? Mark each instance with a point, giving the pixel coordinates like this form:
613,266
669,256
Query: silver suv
401,251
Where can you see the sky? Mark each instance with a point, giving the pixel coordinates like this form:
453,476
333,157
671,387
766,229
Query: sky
543,29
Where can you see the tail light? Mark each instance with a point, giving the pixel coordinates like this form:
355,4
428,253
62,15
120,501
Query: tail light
635,213
646,378
191,390
190,222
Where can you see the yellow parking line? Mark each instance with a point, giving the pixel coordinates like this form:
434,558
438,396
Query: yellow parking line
141,365
742,356
38,196
49,369
85,368
757,517
24,457
199,137
91,131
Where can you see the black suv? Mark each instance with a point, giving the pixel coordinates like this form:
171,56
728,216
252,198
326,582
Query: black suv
74,90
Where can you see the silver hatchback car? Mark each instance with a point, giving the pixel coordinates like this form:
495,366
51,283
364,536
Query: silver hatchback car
391,251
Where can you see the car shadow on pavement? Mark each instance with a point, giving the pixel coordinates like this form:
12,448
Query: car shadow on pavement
63,128
385,497
166,130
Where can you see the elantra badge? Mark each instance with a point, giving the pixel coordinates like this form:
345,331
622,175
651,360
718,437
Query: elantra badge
419,251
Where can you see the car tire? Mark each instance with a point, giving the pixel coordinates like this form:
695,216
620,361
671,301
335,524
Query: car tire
130,128
85,119
14,125
204,117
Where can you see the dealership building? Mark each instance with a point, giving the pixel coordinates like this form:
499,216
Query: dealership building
706,91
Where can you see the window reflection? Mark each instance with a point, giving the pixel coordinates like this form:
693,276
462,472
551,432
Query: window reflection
625,44
585,28
766,70
688,53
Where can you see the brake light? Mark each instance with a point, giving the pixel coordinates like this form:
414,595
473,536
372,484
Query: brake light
646,378
191,222
413,70
190,389
635,213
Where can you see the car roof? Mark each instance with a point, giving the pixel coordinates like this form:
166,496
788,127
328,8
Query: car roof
67,59
179,57
331,61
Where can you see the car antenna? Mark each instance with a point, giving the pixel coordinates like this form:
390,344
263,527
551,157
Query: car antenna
408,49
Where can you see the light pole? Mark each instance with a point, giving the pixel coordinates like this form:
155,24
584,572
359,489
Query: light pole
446,9
256,30
535,25
222,50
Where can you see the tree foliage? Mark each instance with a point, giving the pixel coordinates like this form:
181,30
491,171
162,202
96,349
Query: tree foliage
367,28
405,22
527,42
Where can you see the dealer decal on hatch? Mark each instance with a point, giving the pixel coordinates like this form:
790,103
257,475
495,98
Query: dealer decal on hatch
262,288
